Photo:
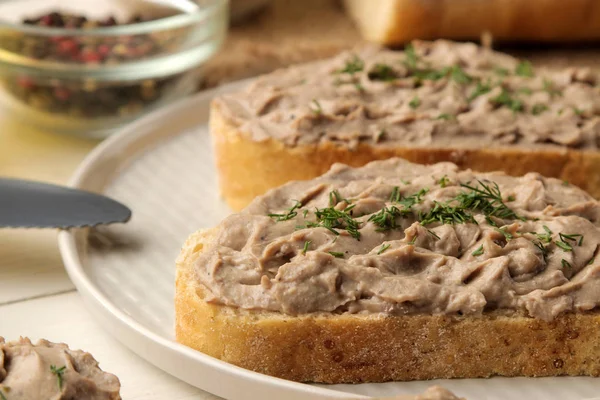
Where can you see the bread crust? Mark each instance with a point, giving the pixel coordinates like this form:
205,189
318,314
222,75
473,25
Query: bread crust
399,21
249,168
331,348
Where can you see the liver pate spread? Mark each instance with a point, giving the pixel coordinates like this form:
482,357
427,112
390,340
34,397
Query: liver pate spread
49,371
440,94
399,238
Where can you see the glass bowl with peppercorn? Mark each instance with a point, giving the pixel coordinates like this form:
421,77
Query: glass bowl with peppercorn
89,66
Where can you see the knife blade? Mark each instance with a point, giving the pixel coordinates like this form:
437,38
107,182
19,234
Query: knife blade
29,204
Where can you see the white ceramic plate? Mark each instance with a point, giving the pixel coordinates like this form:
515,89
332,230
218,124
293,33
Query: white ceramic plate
162,167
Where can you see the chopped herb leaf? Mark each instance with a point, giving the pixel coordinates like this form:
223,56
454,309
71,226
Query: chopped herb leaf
511,198
316,107
383,248
543,249
353,65
524,68
506,234
445,116
538,108
289,215
304,213
505,99
413,199
382,72
396,196
565,183
591,260
337,254
405,181
459,75
385,219
480,89
577,111
414,239
446,214
549,87
501,71
544,237
306,244
564,245
443,181
2,397
59,372
411,56
478,252
525,90
430,74
335,197
432,233
565,264
488,199
333,219
415,102
575,237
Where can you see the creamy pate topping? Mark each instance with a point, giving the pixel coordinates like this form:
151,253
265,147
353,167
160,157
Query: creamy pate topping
50,371
400,238
441,94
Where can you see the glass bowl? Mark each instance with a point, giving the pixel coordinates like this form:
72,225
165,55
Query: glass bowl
89,66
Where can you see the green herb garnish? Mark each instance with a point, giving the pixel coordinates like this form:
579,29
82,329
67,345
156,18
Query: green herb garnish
385,219
549,87
337,254
524,68
591,261
459,75
488,199
506,234
432,233
501,71
505,99
2,397
544,237
289,215
411,56
316,107
382,72
305,249
564,245
443,181
383,248
395,196
353,65
335,197
413,199
538,108
542,248
478,252
575,237
415,102
333,219
565,264
445,116
525,90
480,89
59,372
446,214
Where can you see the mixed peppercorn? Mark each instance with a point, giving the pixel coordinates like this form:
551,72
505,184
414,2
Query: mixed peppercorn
90,98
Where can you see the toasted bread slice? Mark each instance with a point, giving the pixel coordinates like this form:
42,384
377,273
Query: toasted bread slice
354,348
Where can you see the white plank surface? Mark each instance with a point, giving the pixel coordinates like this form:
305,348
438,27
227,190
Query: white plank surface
63,318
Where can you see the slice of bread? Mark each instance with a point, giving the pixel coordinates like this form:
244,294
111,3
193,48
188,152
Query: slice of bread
399,21
272,133
375,347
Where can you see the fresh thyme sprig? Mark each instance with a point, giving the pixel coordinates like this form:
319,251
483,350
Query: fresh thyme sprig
59,372
289,215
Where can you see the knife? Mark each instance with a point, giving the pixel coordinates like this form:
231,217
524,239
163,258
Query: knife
28,204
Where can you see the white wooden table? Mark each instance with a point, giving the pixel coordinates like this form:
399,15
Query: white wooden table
37,298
